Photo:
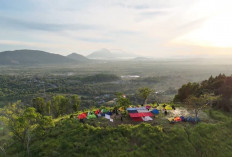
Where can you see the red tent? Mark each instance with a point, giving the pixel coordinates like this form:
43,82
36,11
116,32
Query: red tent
144,114
82,116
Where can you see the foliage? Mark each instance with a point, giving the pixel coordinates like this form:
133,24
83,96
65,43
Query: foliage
220,87
123,101
72,138
24,124
144,93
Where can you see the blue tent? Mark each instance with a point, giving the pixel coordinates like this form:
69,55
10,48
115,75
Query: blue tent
109,113
131,109
155,111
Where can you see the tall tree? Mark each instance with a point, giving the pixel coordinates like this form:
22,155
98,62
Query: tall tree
24,123
123,101
144,93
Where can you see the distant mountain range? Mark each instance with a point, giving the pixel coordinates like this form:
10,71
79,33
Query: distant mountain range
32,57
35,57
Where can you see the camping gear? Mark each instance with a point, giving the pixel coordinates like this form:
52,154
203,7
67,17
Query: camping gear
137,119
142,111
148,107
177,119
103,110
121,109
168,107
147,118
132,111
92,116
107,116
182,118
155,111
97,112
82,116
109,113
141,114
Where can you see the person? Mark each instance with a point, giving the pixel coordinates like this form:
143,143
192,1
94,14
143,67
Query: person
164,105
157,104
165,112
173,107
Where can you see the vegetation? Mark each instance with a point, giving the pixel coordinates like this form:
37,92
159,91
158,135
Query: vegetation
220,87
45,122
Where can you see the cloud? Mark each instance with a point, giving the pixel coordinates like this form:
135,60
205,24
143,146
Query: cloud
32,25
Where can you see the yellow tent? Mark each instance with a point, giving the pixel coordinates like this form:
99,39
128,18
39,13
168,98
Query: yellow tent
168,107
121,109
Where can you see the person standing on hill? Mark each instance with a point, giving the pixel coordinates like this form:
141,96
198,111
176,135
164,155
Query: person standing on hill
165,112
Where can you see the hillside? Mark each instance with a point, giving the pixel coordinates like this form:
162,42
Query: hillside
78,57
31,57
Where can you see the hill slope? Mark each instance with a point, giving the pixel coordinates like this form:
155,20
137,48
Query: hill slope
78,57
30,57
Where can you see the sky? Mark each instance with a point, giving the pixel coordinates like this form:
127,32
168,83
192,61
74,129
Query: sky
156,28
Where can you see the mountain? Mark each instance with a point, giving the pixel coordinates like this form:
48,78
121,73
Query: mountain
78,57
112,55
31,57
101,54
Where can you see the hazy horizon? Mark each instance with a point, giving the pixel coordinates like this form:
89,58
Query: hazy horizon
145,28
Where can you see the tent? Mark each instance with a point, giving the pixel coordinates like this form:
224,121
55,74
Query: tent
121,109
182,118
82,116
137,119
103,110
177,119
155,111
97,112
141,114
148,107
132,111
109,113
142,111
91,116
129,109
168,107
147,118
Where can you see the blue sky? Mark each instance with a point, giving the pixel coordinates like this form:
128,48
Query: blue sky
144,27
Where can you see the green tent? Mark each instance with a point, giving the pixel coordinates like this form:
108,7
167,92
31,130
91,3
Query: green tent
91,116
104,110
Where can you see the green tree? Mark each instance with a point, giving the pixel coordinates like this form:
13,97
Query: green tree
39,104
197,104
123,101
59,104
75,102
144,93
24,123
